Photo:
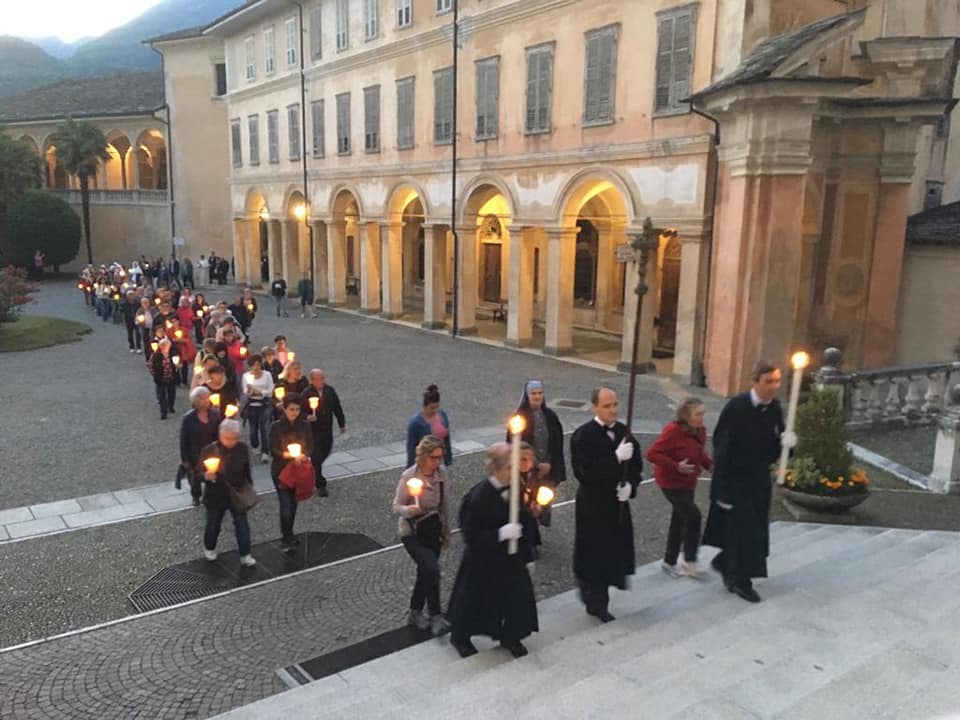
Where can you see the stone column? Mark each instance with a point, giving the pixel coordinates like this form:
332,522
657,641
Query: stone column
290,232
561,252
945,477
520,288
369,267
240,243
252,277
337,263
648,312
467,291
391,235
434,276
274,248
693,276
320,260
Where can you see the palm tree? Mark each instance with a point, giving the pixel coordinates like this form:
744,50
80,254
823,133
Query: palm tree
80,148
20,170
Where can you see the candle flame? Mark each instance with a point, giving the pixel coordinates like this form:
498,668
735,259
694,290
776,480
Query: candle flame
199,313
231,410
250,307
178,334
197,369
279,392
212,464
176,359
215,399
415,486
291,356
517,424
243,351
154,346
294,450
544,495
800,360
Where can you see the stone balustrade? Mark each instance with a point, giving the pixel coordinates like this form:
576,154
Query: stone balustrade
116,197
906,394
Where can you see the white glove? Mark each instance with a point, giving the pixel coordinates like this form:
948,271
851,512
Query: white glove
624,450
788,439
510,531
531,567
724,506
623,492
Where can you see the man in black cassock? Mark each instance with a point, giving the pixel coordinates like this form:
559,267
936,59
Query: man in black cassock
607,462
493,593
746,442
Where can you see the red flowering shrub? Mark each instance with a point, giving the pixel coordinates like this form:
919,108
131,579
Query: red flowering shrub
14,293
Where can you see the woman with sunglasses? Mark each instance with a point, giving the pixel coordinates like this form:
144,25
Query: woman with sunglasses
424,528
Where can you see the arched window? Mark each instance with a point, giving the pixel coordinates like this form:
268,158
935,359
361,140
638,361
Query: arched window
585,264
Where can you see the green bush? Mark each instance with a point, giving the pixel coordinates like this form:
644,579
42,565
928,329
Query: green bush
42,221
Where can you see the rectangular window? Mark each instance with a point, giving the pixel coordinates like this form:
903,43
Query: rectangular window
253,127
220,79
488,98
273,136
599,76
674,60
539,88
236,150
444,5
343,124
293,131
269,51
250,53
371,19
404,13
316,36
443,106
292,40
405,113
316,115
343,24
371,119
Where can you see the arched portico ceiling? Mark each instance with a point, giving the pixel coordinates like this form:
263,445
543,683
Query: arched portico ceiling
596,187
401,197
294,206
486,195
345,202
256,204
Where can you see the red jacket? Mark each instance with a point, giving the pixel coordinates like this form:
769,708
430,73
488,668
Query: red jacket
187,318
678,442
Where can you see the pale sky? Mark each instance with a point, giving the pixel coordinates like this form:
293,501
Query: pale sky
67,19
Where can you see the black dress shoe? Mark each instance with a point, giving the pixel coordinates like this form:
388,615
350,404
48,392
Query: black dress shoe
463,646
322,491
196,502
602,615
517,649
717,563
746,592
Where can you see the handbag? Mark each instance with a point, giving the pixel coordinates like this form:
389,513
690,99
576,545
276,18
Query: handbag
244,498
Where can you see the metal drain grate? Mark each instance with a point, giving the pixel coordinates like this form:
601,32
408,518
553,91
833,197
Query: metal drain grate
571,404
172,586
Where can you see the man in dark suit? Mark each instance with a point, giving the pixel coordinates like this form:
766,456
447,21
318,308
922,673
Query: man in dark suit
607,462
747,442
321,422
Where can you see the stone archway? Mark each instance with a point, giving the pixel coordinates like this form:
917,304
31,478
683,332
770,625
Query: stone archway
119,172
151,153
294,240
56,174
403,253
344,271
254,243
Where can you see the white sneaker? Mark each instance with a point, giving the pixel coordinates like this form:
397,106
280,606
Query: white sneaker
248,560
132,350
690,568
671,570
264,457
210,555
438,625
417,619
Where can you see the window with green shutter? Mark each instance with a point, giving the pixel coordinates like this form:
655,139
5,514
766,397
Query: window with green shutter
600,75
488,98
405,113
316,37
539,88
343,124
316,116
293,131
253,126
371,119
674,63
273,136
443,106
236,149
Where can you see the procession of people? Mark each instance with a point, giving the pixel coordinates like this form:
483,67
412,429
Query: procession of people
206,349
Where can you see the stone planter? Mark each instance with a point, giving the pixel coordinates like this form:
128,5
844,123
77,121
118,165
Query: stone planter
824,503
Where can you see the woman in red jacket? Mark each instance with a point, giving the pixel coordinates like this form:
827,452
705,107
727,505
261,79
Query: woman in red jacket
678,456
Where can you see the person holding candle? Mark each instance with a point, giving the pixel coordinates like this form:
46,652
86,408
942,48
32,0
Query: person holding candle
270,363
606,461
238,308
543,431
183,344
747,441
424,527
130,309
222,386
236,350
251,302
201,313
294,383
430,420
226,462
198,428
201,370
493,594
289,429
258,387
164,373
283,353
222,354
678,455
324,405
185,313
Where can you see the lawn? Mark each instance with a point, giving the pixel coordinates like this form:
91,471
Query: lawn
30,332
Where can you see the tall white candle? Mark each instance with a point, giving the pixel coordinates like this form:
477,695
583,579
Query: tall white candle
799,361
516,429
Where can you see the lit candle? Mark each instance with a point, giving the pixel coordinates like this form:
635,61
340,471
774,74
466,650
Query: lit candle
291,356
197,369
156,301
154,346
168,324
243,351
544,496
199,313
415,488
212,464
80,286
141,319
116,296
314,403
178,334
250,307
279,392
215,400
799,362
230,411
176,360
516,425
293,449
206,307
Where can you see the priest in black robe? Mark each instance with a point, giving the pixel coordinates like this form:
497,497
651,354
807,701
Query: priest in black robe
608,465
493,594
747,443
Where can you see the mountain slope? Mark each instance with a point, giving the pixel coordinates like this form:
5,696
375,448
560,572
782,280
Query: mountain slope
24,66
56,47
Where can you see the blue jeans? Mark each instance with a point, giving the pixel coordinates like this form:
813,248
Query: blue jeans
288,512
240,525
280,307
260,417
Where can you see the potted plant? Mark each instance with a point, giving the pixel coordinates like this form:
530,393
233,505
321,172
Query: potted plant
821,475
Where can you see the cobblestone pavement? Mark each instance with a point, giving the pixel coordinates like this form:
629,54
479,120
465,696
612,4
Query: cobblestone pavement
82,418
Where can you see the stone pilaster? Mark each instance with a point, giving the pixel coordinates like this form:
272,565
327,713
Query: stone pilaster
561,253
391,235
520,288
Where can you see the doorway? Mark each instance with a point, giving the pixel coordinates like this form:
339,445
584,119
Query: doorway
669,296
491,272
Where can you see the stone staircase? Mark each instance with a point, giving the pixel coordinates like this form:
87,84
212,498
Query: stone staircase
856,622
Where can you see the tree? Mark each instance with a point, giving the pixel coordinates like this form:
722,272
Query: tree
20,170
80,148
44,221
